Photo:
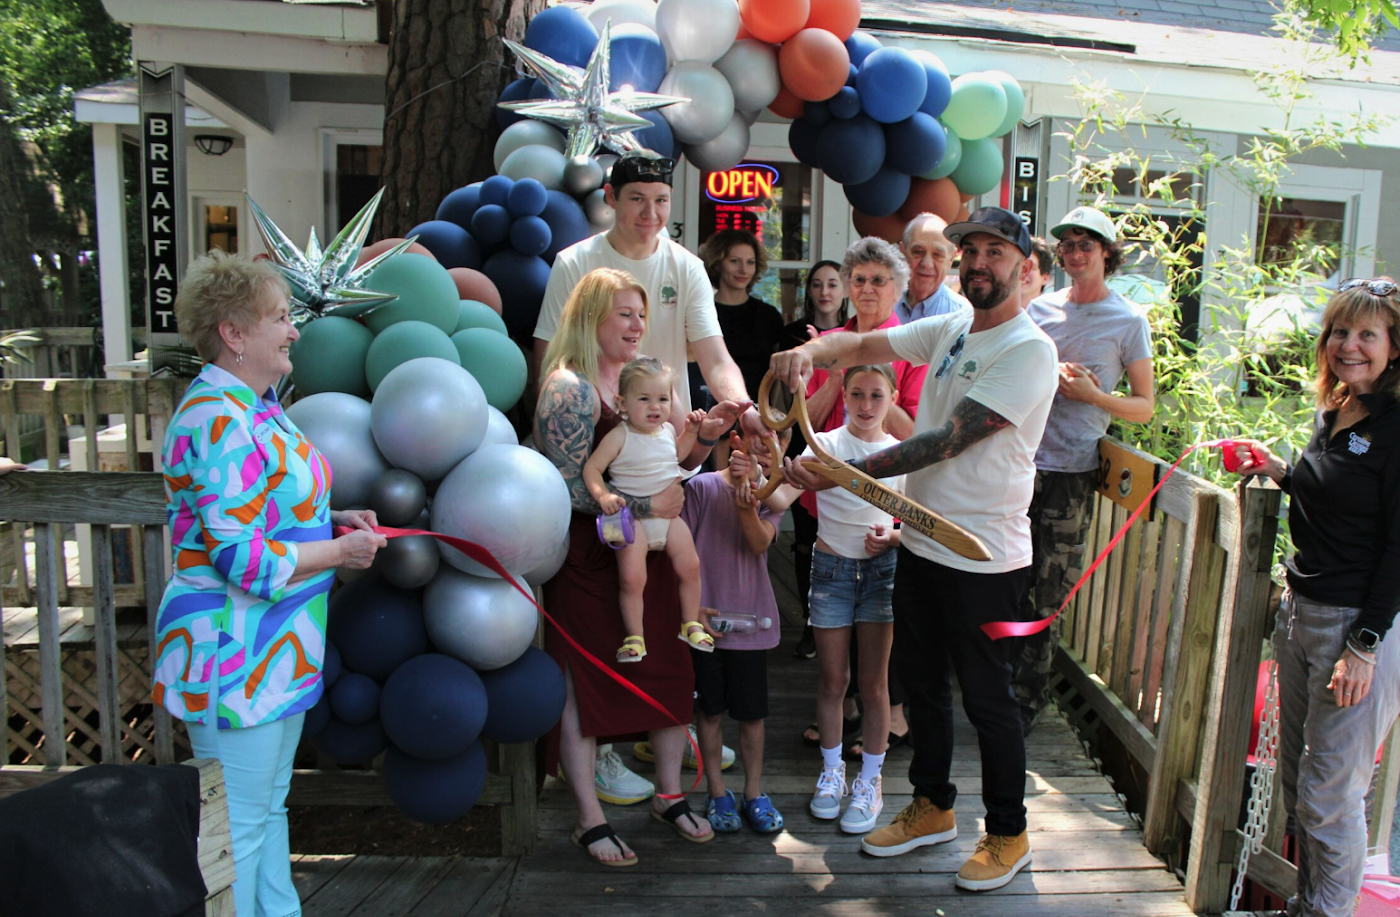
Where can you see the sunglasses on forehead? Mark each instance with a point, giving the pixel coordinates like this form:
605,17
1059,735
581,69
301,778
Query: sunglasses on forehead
642,167
1374,287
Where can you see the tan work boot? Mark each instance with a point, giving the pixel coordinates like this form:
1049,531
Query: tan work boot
995,862
920,824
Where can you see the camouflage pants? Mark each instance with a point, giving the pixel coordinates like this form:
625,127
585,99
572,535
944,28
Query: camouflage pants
1060,515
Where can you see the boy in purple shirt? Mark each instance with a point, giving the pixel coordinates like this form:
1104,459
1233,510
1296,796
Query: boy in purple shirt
732,533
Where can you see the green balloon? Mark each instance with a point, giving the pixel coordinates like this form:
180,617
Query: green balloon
404,341
426,293
1015,101
977,107
952,155
330,357
473,314
496,363
981,166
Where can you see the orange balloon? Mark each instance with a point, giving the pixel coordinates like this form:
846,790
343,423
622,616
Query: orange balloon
961,215
890,228
774,20
839,17
965,197
743,32
786,105
939,197
814,64
383,245
476,285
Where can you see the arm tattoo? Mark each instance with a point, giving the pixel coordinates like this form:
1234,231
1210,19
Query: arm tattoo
970,424
564,419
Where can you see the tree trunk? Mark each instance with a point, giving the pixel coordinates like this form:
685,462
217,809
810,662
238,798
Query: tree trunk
22,299
447,66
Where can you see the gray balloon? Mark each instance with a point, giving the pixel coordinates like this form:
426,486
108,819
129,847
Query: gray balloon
550,565
482,621
428,415
499,430
409,561
526,133
398,497
724,151
598,211
711,102
339,426
545,164
582,174
751,67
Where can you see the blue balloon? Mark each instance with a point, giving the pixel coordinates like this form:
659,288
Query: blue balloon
638,58
562,33
330,669
524,699
459,205
539,89
450,244
527,198
521,280
915,145
491,224
817,113
892,85
854,72
529,235
375,626
940,86
802,137
658,137
567,224
845,104
851,150
435,792
346,744
516,91
317,717
860,46
495,190
355,699
433,706
881,195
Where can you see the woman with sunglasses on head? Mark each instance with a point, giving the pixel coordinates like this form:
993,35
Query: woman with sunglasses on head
1338,673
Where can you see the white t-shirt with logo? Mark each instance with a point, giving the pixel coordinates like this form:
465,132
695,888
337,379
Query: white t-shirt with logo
680,300
987,489
844,519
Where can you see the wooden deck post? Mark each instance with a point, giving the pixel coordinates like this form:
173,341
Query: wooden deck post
518,827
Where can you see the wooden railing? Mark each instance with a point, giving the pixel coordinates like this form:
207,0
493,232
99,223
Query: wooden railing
59,353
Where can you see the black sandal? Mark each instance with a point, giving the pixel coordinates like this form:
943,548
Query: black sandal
681,809
849,727
598,833
853,751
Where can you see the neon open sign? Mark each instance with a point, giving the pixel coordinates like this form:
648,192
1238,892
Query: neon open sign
747,182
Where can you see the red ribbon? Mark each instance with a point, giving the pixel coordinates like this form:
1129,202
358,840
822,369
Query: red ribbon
484,557
998,630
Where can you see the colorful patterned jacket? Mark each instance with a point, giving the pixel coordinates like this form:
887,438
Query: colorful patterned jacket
244,487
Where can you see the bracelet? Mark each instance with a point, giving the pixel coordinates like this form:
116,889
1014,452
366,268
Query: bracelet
1360,653
707,443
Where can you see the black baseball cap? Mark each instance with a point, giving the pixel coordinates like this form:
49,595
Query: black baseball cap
997,222
641,166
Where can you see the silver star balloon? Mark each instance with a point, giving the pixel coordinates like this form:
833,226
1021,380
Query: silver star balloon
592,115
326,282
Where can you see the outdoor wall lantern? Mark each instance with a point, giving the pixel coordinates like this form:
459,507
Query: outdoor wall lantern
213,144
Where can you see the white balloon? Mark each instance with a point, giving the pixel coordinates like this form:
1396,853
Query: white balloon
751,67
711,104
549,566
723,152
428,415
750,116
543,163
642,12
525,133
499,430
482,621
339,426
696,30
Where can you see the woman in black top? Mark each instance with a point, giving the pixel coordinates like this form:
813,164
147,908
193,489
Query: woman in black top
1338,673
735,261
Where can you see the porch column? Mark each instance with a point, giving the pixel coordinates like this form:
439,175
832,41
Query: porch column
111,242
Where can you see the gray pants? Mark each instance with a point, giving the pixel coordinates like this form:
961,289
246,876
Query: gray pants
1327,753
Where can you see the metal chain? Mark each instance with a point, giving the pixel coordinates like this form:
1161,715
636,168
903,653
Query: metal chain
1261,786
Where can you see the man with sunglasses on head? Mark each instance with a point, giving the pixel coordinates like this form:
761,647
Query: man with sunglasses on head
990,381
1101,337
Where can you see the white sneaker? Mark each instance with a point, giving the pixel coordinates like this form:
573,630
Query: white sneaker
642,751
866,804
615,783
831,786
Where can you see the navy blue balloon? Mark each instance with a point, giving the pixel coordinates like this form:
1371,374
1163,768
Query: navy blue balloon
524,699
521,281
915,145
459,205
851,150
433,706
851,77
638,58
491,224
562,33
802,137
940,87
355,699
516,91
818,113
450,244
860,46
496,190
845,104
317,717
658,137
567,224
892,85
529,235
435,792
539,89
881,195
376,626
346,744
527,198
330,669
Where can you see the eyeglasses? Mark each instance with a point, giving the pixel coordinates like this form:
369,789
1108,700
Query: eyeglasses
878,283
1380,288
1069,245
953,352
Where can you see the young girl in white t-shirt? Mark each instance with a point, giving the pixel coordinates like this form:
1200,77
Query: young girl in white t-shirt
852,583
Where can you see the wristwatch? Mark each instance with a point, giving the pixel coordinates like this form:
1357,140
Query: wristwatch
1364,638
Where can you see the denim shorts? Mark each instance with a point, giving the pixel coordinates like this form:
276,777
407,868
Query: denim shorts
847,591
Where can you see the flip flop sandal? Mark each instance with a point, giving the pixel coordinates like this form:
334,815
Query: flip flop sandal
694,634
633,649
597,833
849,727
853,750
681,809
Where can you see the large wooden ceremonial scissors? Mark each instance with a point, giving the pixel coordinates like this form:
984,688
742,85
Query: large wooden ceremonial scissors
949,534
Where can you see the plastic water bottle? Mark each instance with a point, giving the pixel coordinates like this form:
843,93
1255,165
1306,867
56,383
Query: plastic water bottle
739,623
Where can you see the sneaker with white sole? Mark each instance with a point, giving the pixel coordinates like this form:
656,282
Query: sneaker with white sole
642,751
995,862
867,802
615,783
831,787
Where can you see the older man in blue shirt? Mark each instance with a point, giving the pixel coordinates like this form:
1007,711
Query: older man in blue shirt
929,254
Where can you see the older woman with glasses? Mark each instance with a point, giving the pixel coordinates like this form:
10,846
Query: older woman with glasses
1338,672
